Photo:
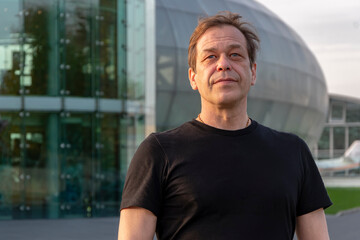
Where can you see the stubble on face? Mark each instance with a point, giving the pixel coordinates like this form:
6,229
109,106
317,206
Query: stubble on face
223,77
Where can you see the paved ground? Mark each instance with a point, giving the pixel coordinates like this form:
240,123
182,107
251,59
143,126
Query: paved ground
341,227
344,227
74,229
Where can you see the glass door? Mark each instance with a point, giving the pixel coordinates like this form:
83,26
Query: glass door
106,179
11,184
76,167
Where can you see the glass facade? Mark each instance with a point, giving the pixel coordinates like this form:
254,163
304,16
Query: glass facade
290,93
71,108
342,127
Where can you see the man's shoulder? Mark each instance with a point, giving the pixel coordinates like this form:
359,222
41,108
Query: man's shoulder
170,140
281,141
276,135
183,129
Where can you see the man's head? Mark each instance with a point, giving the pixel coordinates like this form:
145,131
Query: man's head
223,18
222,60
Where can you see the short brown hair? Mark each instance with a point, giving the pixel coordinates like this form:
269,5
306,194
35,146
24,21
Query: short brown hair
224,18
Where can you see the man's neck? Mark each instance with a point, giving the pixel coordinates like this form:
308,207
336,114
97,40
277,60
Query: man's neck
227,119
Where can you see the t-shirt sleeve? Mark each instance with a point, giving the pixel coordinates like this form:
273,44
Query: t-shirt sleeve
313,193
144,178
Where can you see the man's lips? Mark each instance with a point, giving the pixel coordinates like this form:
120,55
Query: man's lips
224,80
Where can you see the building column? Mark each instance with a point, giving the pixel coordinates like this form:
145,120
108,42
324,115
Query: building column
150,66
331,142
346,137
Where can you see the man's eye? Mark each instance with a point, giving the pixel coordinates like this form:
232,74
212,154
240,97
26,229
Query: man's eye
210,57
235,55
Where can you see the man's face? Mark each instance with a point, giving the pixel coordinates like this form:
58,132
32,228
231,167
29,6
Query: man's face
223,74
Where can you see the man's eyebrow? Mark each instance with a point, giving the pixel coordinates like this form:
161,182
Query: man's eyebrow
231,46
209,50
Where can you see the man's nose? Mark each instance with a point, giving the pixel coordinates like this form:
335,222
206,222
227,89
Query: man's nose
223,64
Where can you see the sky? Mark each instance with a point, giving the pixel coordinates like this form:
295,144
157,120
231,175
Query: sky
331,29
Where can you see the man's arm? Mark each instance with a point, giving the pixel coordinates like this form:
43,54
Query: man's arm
136,224
312,226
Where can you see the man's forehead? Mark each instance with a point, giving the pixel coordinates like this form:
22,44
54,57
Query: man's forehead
221,34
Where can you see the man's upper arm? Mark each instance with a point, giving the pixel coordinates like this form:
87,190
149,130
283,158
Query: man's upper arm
136,223
312,226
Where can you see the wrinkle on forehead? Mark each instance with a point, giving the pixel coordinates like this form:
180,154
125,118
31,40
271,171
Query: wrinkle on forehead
217,36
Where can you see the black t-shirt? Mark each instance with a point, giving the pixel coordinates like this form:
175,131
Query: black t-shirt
206,183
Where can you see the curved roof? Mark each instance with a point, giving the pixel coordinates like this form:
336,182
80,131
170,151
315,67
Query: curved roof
290,91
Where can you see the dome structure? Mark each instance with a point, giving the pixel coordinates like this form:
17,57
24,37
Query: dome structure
290,93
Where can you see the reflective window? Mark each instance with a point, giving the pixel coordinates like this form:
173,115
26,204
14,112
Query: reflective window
339,141
163,101
166,71
78,41
63,165
106,177
62,48
11,187
28,157
337,111
11,52
55,163
164,35
354,134
136,49
182,105
87,49
352,112
75,156
324,142
183,28
37,49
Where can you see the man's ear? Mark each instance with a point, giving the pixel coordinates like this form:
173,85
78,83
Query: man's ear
192,76
253,74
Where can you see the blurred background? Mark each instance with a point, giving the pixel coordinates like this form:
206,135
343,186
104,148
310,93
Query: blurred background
83,82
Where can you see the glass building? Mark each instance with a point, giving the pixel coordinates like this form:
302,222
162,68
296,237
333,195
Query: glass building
72,103
290,93
342,127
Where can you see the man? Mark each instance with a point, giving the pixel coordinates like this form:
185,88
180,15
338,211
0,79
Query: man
223,175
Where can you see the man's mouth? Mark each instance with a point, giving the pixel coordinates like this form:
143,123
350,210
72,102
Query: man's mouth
224,80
